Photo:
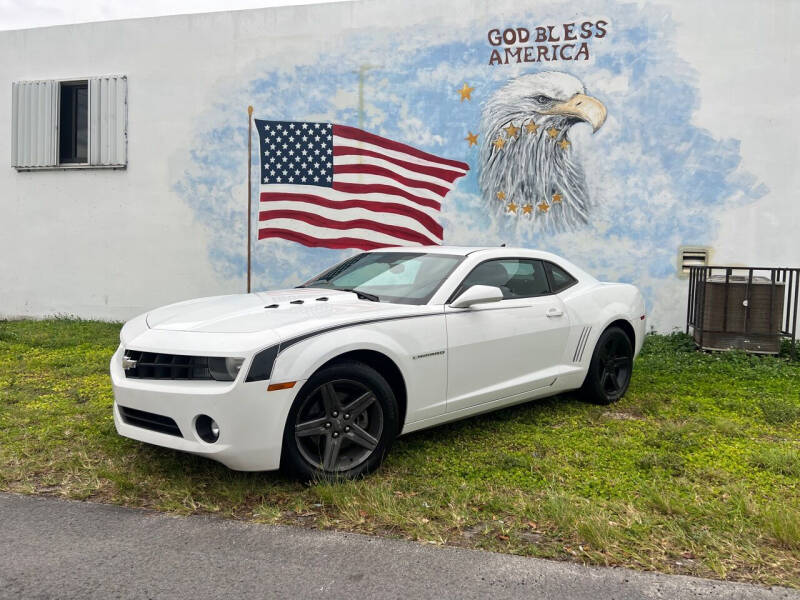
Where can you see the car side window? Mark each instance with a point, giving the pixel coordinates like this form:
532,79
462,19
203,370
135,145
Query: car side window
559,278
516,277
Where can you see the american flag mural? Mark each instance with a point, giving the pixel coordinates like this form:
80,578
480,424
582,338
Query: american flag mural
334,186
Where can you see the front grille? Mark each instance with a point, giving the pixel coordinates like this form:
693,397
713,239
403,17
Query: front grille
149,365
151,421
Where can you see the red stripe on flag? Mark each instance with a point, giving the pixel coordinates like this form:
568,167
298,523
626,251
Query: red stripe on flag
371,138
379,207
313,242
383,172
445,174
362,188
403,233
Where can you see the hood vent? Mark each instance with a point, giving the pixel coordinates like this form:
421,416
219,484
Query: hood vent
320,299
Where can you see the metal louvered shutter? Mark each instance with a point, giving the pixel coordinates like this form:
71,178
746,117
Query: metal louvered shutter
691,256
35,123
108,121
34,129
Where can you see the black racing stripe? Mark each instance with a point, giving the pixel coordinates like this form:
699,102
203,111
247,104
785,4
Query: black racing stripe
301,338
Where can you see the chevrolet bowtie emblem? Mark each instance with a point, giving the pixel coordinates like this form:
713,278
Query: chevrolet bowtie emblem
128,363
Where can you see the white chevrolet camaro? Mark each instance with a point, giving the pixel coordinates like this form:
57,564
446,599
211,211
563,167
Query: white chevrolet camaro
320,379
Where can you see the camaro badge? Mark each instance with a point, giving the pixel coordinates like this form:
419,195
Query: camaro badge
426,355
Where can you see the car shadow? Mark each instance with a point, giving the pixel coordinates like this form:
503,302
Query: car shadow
199,472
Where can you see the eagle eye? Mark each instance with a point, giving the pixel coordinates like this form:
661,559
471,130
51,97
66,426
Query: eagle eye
542,99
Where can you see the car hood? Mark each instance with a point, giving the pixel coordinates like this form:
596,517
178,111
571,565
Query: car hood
248,313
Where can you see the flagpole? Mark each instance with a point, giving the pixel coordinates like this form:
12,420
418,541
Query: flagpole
249,187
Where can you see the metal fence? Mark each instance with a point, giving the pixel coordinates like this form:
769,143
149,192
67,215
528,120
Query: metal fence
779,279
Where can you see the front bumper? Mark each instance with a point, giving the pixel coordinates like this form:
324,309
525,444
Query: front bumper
251,420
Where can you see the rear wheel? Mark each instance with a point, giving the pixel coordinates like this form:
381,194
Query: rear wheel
341,425
610,368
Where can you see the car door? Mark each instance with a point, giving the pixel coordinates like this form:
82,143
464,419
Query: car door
512,346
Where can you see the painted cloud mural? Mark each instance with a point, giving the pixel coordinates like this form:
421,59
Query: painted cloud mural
598,159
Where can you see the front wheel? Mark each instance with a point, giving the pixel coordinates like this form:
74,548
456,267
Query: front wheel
610,368
341,424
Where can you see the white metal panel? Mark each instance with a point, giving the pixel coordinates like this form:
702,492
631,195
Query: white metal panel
34,125
108,120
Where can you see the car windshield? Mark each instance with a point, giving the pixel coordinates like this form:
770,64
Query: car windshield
401,277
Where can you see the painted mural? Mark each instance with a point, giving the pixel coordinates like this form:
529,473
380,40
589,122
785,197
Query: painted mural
526,159
578,135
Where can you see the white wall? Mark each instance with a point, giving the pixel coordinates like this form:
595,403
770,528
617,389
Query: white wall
112,243
750,91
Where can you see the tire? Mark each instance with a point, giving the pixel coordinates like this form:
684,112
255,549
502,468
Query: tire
341,425
610,368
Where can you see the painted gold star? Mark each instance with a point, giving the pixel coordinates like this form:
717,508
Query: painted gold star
501,195
472,138
564,144
557,197
512,207
499,143
543,206
553,132
466,92
527,209
531,127
511,131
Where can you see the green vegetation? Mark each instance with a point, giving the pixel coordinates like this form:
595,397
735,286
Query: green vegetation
696,470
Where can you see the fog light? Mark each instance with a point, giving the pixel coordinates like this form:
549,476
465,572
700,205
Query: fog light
207,429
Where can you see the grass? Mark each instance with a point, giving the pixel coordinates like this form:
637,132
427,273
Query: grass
695,471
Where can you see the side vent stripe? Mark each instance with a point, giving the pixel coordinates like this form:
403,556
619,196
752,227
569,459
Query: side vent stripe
583,344
585,341
578,347
584,337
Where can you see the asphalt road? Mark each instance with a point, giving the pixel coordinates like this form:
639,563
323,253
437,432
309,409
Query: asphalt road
52,548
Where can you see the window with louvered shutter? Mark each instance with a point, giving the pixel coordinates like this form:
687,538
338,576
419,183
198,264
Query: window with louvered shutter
70,123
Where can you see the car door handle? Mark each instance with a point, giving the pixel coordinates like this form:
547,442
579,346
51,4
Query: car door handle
554,312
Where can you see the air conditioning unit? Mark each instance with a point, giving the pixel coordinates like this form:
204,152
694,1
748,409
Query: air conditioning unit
733,311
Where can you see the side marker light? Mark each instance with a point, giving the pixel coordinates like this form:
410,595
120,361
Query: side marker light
273,387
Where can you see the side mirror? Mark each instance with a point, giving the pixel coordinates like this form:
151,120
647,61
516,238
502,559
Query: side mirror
477,294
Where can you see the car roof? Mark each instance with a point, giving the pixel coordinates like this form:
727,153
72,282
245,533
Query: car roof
461,250
495,252
457,250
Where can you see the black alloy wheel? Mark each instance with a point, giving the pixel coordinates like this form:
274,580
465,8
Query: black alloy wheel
610,368
341,424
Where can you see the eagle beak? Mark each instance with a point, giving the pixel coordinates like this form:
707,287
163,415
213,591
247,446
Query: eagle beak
583,107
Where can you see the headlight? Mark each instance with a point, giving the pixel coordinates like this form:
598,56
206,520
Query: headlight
224,369
261,369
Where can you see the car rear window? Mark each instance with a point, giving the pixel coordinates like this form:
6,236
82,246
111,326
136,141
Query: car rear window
559,278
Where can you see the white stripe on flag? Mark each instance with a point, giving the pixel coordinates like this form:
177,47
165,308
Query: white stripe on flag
326,233
343,141
349,214
355,159
369,179
331,194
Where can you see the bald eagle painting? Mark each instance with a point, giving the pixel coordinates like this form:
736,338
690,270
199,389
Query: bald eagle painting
526,156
